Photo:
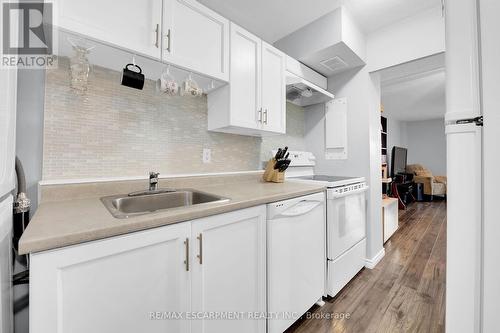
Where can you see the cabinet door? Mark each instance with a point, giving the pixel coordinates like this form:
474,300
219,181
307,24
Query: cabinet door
131,24
273,89
246,80
196,38
229,270
126,284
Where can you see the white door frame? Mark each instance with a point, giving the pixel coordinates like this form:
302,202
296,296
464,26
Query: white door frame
490,94
464,163
472,37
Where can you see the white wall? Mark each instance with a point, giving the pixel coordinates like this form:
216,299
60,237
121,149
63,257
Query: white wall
352,35
415,37
347,85
29,133
29,141
426,142
363,136
396,136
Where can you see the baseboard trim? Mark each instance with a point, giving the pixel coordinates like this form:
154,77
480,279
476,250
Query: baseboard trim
371,263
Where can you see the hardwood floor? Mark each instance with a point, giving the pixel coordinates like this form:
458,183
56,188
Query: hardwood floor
406,290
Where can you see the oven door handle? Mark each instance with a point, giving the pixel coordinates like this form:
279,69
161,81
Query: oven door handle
331,194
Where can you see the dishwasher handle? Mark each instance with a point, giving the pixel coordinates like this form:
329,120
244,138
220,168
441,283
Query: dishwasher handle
300,208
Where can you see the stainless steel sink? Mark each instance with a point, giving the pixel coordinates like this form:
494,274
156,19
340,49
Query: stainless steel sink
125,205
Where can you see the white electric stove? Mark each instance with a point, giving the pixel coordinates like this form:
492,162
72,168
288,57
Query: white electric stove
345,219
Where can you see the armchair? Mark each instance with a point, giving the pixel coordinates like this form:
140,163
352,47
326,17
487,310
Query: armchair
433,185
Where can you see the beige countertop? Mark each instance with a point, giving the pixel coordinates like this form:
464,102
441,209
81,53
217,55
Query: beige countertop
73,214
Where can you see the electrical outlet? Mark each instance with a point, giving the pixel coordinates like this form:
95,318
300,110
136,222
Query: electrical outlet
207,155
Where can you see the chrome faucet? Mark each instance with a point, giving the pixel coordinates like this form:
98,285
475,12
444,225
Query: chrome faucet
153,186
153,181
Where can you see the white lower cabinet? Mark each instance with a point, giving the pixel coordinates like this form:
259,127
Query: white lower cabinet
113,285
167,279
229,270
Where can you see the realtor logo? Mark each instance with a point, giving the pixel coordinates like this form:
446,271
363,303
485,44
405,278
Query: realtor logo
27,36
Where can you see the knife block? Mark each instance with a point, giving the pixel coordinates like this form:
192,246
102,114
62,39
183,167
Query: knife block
271,174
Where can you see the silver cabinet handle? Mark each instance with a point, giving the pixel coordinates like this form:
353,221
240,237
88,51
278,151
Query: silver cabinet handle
169,37
265,117
259,115
186,262
157,32
200,255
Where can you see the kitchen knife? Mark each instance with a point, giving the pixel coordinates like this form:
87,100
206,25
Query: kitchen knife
278,154
284,165
284,151
279,164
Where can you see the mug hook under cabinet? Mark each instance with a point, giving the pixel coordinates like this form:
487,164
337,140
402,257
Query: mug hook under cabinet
212,85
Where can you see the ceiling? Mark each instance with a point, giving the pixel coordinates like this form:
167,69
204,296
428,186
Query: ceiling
375,14
274,19
415,90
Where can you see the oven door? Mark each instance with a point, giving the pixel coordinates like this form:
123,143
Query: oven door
346,220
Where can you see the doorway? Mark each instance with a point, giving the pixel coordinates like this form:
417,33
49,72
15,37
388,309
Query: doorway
406,290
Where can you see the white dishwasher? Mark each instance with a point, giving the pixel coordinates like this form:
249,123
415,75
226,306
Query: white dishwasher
296,257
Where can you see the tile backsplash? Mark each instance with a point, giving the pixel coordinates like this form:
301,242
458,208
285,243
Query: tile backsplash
295,132
115,131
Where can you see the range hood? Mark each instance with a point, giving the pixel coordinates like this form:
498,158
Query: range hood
304,93
330,45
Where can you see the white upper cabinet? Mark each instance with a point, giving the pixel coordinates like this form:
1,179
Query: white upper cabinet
113,285
273,89
181,32
254,101
196,38
229,270
245,78
130,24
